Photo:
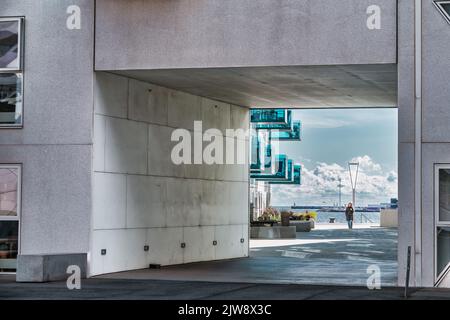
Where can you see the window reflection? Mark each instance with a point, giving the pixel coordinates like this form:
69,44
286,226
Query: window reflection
443,249
9,44
8,191
9,244
10,99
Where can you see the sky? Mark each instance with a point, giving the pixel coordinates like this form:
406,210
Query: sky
330,139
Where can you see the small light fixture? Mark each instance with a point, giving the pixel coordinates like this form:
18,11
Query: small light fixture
215,243
183,245
242,240
146,248
103,252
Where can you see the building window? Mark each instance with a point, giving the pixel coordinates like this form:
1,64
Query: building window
10,179
442,221
10,99
444,8
11,84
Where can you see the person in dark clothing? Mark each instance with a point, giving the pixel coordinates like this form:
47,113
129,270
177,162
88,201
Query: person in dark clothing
349,215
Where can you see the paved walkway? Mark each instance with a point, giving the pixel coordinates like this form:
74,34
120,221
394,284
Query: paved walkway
112,289
324,256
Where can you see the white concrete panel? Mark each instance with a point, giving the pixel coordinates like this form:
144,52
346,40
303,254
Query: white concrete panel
111,95
200,171
147,102
99,142
109,201
219,213
165,246
215,114
135,256
228,241
239,117
183,203
209,204
159,153
146,201
184,109
126,146
199,244
245,244
238,207
115,259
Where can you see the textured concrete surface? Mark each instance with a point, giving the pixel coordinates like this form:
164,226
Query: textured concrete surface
113,289
58,77
405,67
55,144
56,196
52,267
406,206
294,86
141,198
435,130
336,256
216,33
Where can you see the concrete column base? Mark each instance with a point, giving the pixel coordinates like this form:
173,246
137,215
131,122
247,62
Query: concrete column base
48,267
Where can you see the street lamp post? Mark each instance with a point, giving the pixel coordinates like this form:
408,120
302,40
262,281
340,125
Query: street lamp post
353,168
340,185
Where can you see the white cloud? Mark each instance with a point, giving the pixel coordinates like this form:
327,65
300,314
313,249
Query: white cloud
319,185
366,164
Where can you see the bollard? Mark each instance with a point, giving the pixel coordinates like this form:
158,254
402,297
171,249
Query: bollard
408,268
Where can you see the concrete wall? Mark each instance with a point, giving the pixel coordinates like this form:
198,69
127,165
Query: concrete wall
158,34
435,120
435,133
141,198
55,144
406,129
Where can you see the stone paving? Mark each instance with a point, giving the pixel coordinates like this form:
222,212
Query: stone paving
325,256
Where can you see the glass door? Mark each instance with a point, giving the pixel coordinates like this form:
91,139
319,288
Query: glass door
442,221
10,179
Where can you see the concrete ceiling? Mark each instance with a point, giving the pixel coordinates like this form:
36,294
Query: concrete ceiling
340,86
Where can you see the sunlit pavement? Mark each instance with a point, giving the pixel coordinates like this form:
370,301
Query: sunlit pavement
126,289
276,269
324,256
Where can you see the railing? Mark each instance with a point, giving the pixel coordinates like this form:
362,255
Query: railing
366,218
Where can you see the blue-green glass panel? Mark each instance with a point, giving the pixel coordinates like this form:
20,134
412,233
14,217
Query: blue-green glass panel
286,124
255,161
295,181
268,115
293,135
281,172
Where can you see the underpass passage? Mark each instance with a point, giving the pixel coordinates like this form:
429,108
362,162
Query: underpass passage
332,256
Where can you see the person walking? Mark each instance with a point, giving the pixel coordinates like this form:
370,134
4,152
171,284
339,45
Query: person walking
349,215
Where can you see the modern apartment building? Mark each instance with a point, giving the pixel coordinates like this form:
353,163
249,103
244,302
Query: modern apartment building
91,91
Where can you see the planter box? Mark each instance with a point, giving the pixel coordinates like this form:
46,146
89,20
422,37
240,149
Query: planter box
302,226
275,232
